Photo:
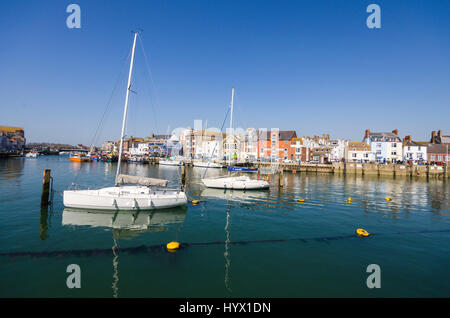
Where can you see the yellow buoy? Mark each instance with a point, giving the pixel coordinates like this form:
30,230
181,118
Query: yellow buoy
172,246
388,199
349,199
194,202
362,232
301,200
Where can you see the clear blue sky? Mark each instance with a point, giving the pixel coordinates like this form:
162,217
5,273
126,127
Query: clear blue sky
312,66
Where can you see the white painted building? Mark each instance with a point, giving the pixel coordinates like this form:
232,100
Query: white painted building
387,147
358,152
414,152
139,149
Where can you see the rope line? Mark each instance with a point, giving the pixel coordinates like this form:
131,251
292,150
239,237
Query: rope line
159,248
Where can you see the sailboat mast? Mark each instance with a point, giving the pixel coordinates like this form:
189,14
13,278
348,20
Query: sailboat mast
231,121
126,106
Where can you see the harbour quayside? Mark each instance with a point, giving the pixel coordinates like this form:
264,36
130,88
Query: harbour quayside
126,197
234,182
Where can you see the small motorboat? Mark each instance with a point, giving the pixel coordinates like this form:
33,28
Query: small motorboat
32,155
80,157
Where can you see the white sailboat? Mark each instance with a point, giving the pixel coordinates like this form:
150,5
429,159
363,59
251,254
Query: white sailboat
126,197
238,182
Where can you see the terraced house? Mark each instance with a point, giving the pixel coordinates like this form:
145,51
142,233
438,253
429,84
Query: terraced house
358,152
386,146
276,145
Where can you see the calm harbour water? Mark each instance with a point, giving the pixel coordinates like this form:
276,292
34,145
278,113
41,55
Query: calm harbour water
235,244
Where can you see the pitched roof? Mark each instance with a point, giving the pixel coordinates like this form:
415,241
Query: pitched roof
282,134
359,146
437,148
383,136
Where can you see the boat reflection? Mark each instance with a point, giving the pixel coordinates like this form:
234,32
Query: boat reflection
235,195
146,221
123,223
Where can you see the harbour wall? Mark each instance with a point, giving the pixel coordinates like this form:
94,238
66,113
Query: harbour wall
371,169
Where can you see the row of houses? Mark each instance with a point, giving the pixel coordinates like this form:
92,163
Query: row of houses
12,139
285,146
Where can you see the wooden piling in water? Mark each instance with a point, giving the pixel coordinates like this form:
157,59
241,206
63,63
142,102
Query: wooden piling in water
281,178
183,175
45,187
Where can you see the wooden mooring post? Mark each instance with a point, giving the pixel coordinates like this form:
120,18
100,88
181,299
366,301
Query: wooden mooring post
183,175
281,178
46,187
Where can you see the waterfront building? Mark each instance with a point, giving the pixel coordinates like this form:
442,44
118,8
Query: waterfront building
157,145
276,145
438,154
139,149
12,138
358,152
300,149
319,149
387,146
337,149
208,144
249,145
187,142
130,142
108,146
232,147
414,152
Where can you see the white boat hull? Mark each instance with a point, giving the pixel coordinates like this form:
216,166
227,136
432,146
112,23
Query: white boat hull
123,198
235,183
207,165
171,163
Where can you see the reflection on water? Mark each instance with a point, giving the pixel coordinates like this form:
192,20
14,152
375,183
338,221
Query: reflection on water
124,221
227,251
123,224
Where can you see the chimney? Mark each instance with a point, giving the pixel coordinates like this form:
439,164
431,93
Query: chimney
433,137
395,131
439,133
407,139
367,134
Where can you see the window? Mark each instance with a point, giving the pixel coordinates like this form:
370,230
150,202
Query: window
393,153
440,157
409,148
394,145
353,155
432,157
